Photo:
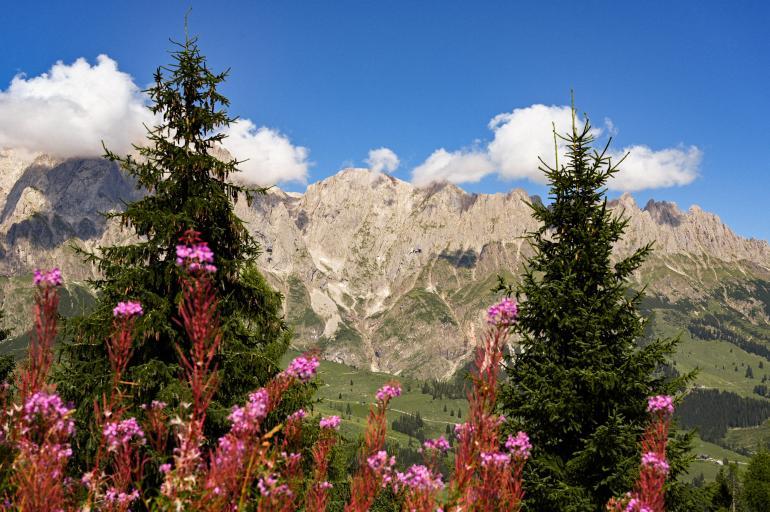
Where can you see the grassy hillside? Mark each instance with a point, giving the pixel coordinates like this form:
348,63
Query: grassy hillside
750,438
353,407
725,336
348,393
710,458
17,295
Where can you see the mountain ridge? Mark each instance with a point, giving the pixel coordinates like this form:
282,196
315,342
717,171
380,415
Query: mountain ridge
381,274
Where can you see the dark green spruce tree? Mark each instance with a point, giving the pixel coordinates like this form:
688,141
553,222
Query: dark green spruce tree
579,387
187,187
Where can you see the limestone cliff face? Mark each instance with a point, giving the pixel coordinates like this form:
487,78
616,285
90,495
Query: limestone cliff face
52,204
396,277
376,272
693,232
12,165
377,265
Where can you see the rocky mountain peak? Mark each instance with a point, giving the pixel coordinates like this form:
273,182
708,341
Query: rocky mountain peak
355,177
627,202
664,212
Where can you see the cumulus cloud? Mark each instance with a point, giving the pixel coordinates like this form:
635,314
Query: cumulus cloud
524,135
382,159
269,156
455,167
72,108
645,168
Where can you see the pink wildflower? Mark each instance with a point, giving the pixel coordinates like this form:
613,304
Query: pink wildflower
330,422
47,277
127,309
119,434
495,458
462,429
519,446
380,461
44,429
197,256
633,505
419,478
655,462
247,418
303,368
44,409
439,445
503,313
120,498
297,415
636,505
663,403
268,486
387,391
42,403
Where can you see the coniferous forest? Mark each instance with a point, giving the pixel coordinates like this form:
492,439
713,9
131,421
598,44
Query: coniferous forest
712,412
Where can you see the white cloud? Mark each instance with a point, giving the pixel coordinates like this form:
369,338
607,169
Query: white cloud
523,135
382,159
644,168
455,167
611,128
72,108
269,156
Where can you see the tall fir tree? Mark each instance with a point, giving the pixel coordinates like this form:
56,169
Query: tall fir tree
580,382
187,187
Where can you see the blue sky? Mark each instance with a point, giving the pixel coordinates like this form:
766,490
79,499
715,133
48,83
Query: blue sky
687,82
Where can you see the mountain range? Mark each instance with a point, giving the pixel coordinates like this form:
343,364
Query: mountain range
386,276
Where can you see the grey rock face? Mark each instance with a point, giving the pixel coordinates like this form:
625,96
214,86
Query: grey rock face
75,188
664,212
54,202
396,278
376,272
